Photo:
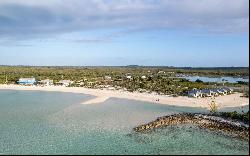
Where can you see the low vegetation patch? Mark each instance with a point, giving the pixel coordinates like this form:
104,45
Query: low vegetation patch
244,117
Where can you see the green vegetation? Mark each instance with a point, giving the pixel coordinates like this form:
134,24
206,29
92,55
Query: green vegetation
213,107
199,81
238,116
161,80
241,82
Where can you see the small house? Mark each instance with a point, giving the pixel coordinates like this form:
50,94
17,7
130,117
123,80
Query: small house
194,93
219,92
46,82
26,81
65,83
161,72
107,77
222,91
216,92
111,88
228,90
207,93
129,77
90,83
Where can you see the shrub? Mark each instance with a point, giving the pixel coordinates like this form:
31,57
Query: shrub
213,107
238,116
246,95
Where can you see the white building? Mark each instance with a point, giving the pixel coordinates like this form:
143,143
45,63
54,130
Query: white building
107,77
46,82
194,93
111,88
208,93
228,90
223,91
26,81
161,72
65,82
129,77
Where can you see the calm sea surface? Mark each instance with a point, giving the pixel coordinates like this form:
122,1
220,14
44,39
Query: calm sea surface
215,79
33,122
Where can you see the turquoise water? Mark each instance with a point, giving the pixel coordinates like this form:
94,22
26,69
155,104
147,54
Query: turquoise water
33,122
215,79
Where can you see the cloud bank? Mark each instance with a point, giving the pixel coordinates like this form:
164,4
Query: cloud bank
25,19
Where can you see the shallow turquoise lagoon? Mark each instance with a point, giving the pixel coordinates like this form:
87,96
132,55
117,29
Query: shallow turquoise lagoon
33,122
216,79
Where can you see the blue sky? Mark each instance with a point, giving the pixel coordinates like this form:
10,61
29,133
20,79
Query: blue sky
122,32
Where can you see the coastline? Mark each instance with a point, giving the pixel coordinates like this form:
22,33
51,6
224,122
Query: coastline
233,100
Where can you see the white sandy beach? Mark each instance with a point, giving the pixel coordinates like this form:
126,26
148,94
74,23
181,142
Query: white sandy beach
233,100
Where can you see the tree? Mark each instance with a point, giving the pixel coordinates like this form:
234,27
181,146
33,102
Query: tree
198,80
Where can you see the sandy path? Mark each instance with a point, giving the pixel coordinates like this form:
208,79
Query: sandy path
233,100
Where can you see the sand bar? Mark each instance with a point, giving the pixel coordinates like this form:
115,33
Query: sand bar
233,100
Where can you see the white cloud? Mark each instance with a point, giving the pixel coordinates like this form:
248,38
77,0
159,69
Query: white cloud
32,18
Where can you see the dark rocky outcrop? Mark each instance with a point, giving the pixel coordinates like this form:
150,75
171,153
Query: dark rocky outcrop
235,128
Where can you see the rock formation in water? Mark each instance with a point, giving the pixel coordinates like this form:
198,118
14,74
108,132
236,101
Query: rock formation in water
234,128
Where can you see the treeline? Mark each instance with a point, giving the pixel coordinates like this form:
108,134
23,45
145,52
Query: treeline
162,81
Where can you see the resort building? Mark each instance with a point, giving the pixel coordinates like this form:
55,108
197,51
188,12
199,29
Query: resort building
46,82
129,77
65,83
209,92
79,83
228,90
26,81
222,91
170,72
161,72
90,83
107,77
142,90
216,92
111,88
194,93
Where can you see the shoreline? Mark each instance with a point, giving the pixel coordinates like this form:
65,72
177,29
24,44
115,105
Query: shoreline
233,100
